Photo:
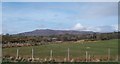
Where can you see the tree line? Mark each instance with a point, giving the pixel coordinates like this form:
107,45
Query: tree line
7,38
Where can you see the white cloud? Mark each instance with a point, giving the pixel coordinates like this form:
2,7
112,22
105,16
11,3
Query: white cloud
106,28
81,27
116,27
78,26
95,29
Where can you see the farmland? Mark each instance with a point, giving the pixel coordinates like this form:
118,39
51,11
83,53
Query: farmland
77,49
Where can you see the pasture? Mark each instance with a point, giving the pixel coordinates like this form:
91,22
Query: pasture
60,50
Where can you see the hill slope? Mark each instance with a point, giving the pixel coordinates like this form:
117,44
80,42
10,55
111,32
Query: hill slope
47,32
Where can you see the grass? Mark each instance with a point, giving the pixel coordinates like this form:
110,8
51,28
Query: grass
62,63
99,48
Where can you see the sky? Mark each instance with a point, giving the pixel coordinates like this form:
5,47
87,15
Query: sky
60,0
0,18
20,17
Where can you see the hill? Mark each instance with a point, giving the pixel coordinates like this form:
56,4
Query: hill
47,32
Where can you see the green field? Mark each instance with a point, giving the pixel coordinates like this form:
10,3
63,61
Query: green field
98,48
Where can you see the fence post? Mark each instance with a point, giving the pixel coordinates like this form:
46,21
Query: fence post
51,54
68,54
89,57
17,54
32,53
108,54
86,55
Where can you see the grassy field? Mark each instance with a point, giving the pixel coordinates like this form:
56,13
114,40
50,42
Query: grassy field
98,48
62,63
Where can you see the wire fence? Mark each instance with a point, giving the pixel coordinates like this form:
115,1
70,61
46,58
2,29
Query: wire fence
87,57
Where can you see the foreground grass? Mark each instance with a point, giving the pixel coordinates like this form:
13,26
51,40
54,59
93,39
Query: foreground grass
99,48
61,63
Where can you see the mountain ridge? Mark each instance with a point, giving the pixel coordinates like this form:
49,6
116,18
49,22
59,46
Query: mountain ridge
48,32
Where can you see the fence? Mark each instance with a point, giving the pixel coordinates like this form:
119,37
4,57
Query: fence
88,57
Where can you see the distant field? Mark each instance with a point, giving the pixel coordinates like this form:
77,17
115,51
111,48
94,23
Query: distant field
99,48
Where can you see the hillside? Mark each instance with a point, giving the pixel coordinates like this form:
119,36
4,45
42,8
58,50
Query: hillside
47,32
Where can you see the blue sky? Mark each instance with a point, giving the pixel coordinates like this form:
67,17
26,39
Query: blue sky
82,16
60,0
